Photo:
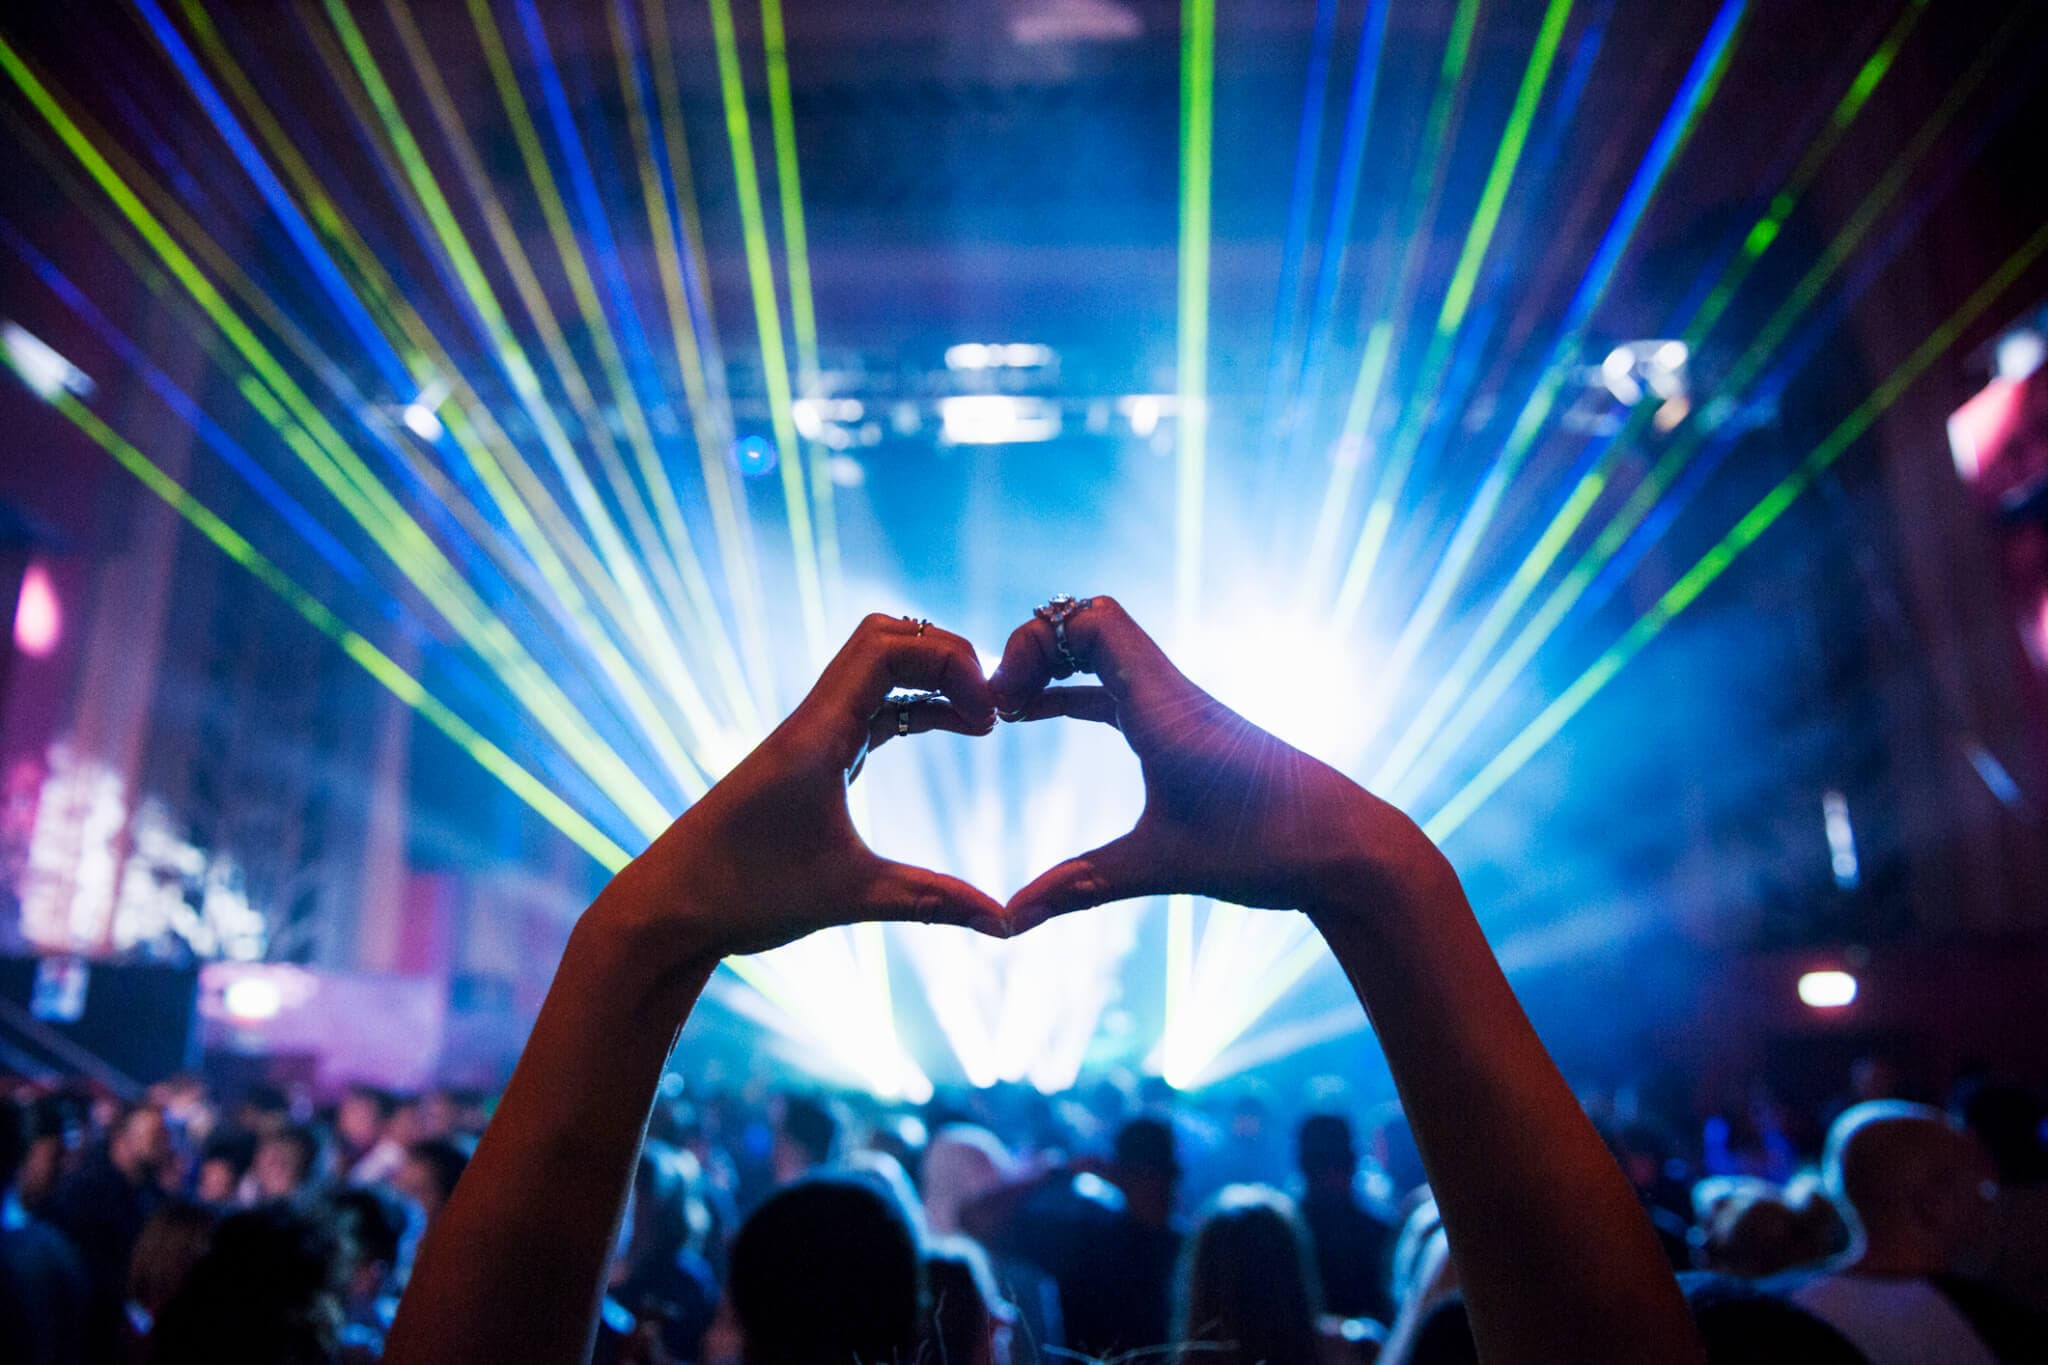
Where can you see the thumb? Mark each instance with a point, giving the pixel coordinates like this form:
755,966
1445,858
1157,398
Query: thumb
1121,869
906,892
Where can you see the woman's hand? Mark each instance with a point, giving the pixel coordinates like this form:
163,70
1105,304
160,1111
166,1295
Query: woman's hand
1230,811
771,854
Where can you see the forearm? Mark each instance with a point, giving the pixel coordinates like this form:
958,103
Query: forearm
1557,1259
515,1266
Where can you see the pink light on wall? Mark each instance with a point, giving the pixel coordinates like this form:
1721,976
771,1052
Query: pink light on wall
38,619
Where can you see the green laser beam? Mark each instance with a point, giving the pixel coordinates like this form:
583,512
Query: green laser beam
1197,130
768,320
1745,533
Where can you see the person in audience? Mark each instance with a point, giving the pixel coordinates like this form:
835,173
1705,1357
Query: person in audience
429,1173
362,1151
267,1292
42,1281
1753,1229
806,1138
174,1239
288,1162
102,1207
262,1110
826,1269
375,1227
222,1166
1351,1246
662,1275
1918,1195
1246,1291
1554,1254
969,1321
963,1162
2007,1119
54,1123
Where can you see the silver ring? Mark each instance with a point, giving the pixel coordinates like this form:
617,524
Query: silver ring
1056,613
902,719
921,626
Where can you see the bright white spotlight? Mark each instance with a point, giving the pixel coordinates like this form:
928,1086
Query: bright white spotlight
1671,355
1828,990
1144,412
1289,674
2020,352
38,619
968,355
252,999
423,422
988,419
1834,809
1617,372
39,365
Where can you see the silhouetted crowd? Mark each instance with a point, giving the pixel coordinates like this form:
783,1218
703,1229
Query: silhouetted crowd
1002,1227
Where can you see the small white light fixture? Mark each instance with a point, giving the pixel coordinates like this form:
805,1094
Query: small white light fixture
1827,990
423,422
986,419
40,367
252,999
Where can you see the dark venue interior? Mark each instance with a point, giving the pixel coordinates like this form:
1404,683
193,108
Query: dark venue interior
776,682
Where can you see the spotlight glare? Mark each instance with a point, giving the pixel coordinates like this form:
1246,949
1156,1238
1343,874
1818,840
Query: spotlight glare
986,419
252,999
38,620
39,365
755,455
1144,411
1827,990
423,422
1672,355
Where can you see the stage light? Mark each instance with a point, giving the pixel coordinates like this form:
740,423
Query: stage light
39,365
252,999
1617,372
1254,661
2019,353
755,455
38,620
846,472
1143,411
986,419
422,421
1672,355
1827,990
1834,808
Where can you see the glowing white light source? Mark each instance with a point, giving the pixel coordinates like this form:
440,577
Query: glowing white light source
969,355
755,455
1144,410
252,999
423,422
2020,353
1015,355
1834,808
987,419
1671,355
39,365
1828,990
1617,372
38,620
1254,662
846,472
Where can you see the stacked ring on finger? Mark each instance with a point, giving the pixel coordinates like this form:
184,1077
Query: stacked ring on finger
1056,613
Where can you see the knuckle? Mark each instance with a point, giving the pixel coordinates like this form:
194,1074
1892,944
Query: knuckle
875,622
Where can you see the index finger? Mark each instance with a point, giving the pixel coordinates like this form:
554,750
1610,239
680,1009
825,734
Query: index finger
1103,639
889,652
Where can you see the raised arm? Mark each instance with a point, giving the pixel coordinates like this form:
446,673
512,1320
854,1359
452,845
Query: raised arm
1557,1259
514,1269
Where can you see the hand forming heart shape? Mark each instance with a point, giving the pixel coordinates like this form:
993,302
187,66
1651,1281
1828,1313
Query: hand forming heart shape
771,853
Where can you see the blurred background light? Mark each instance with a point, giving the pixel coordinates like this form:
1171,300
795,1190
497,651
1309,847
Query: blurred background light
38,616
1827,990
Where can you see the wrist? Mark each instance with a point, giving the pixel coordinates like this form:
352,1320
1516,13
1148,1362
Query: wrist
1385,868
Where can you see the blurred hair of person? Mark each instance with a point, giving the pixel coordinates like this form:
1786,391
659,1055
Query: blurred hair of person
1351,1245
806,1137
888,1175
172,1242
42,1279
267,1292
1918,1195
1751,1228
262,1109
438,1115
288,1162
222,1165
428,1174
962,1162
662,1276
2007,1119
102,1207
1247,1291
969,1320
827,1269
376,1228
